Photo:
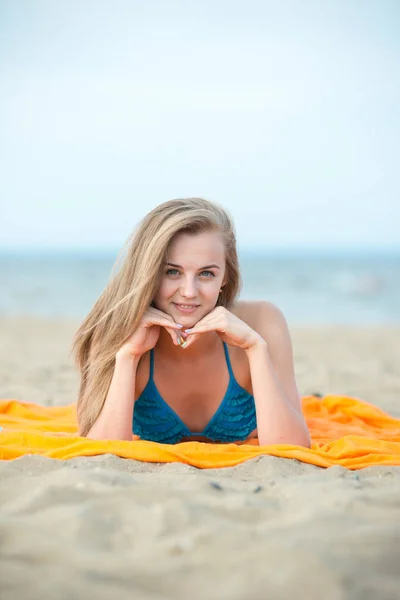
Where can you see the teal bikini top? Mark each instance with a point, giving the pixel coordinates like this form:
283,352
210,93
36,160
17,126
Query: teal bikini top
156,421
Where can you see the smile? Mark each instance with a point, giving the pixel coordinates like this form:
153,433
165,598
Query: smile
186,308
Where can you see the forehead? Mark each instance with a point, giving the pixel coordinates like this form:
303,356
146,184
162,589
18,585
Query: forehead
206,247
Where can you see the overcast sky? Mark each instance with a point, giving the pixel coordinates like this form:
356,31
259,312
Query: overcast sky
286,112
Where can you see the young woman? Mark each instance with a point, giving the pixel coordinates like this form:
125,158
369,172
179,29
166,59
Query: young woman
168,354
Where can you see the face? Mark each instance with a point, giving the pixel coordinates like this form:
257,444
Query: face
192,277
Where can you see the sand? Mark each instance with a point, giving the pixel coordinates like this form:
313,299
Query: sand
270,528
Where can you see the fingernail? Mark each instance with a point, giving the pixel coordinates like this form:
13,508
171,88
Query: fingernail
187,330
179,325
179,340
184,344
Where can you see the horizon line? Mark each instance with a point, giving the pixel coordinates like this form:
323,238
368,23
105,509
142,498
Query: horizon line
260,250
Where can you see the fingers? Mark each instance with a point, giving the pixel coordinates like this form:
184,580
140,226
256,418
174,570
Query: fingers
154,312
176,336
157,317
200,329
203,326
211,322
188,341
179,336
161,319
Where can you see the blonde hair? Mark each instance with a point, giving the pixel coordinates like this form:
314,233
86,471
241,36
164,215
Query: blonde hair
131,289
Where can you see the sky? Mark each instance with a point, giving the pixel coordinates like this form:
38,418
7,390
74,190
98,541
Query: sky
286,112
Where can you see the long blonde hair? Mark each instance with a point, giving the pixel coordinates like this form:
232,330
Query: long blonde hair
131,289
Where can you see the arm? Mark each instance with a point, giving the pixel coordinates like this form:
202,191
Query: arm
115,419
278,403
263,334
116,416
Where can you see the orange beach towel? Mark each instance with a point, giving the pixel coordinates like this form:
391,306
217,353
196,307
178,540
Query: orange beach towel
344,430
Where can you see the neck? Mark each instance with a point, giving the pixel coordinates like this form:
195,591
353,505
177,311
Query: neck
204,344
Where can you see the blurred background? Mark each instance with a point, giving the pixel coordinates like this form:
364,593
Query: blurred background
286,113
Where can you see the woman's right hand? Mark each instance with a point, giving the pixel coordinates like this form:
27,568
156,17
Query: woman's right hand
148,331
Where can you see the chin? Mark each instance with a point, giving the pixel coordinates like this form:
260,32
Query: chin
190,320
187,320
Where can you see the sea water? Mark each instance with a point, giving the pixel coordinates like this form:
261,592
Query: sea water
311,288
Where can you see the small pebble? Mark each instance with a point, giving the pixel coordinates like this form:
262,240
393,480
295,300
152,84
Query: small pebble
257,489
216,485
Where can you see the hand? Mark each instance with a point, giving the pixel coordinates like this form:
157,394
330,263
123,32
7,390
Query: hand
230,329
146,335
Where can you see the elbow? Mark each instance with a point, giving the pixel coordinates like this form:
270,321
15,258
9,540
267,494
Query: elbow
302,438
94,432
305,441
299,438
92,435
101,435
305,436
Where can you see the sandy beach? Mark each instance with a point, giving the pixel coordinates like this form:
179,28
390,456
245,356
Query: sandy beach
269,528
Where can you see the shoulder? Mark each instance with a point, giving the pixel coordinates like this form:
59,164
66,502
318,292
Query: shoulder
261,315
269,321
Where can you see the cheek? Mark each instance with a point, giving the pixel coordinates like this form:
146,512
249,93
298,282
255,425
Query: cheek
211,291
166,289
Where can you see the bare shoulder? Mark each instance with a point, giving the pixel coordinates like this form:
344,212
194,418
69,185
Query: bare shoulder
260,315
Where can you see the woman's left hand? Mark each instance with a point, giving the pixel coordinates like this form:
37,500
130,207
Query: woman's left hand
230,329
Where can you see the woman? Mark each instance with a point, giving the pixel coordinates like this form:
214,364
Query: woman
167,353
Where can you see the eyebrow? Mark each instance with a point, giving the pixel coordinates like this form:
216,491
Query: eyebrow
201,269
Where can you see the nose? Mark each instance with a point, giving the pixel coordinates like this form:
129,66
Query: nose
189,288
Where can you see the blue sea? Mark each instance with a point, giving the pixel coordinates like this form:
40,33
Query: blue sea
311,288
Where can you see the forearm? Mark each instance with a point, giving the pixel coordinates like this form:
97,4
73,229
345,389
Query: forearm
278,422
115,419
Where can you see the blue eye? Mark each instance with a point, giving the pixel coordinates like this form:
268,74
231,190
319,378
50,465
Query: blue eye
209,273
174,272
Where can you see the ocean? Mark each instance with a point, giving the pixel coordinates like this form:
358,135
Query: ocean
310,288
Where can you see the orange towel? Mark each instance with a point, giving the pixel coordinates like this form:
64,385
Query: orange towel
345,431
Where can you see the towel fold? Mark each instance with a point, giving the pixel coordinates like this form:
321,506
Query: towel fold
345,431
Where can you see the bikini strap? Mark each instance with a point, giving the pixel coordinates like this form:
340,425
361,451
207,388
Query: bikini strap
228,360
151,364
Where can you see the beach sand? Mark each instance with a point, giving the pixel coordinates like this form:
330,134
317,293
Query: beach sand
270,528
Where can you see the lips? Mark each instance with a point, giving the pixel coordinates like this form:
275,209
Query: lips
186,305
186,308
